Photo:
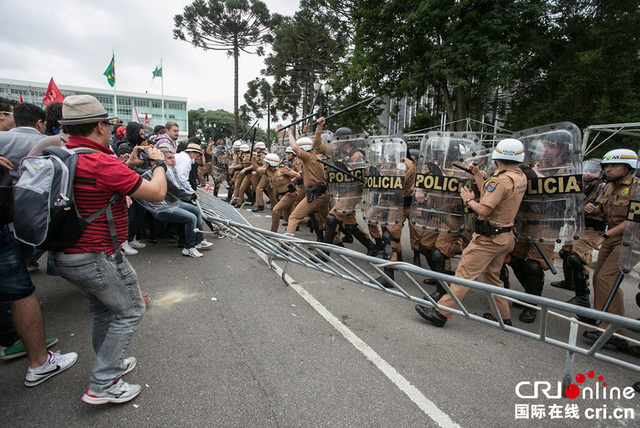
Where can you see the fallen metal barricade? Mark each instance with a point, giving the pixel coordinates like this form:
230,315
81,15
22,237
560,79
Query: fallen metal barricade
363,270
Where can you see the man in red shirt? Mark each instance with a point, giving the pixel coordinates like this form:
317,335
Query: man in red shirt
95,263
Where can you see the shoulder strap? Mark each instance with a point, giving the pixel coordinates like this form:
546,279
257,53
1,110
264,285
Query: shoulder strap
107,208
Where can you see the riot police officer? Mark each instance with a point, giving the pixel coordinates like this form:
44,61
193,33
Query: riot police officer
577,257
613,205
500,198
346,186
316,196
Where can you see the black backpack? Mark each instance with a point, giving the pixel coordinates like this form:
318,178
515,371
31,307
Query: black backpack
45,212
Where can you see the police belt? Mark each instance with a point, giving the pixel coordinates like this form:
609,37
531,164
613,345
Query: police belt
290,189
484,228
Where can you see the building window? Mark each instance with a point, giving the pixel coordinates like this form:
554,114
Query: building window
156,104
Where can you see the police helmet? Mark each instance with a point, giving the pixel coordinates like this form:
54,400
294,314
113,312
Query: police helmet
245,148
237,144
625,156
260,145
509,149
305,143
272,159
341,132
290,150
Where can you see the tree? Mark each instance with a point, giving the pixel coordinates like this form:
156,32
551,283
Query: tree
462,49
259,99
233,26
307,47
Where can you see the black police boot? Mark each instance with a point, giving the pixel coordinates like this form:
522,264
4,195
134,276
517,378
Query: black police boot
489,316
257,208
567,282
533,284
362,238
581,285
416,259
431,315
379,245
383,281
504,276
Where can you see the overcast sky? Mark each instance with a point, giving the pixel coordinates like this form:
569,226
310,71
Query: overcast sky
72,41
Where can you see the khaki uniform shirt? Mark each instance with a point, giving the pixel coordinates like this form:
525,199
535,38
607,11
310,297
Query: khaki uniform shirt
615,200
280,177
503,192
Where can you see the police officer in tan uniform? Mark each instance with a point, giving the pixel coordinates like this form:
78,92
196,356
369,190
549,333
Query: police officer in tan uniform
315,183
281,178
577,257
251,177
613,205
500,198
526,261
343,213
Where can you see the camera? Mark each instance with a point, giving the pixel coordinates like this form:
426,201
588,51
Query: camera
143,154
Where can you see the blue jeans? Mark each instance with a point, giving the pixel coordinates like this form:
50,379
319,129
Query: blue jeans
116,308
189,215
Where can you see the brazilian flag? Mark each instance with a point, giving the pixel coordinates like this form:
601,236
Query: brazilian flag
110,72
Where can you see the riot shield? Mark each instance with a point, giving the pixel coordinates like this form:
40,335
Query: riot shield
384,181
346,179
629,259
551,210
437,206
221,160
279,149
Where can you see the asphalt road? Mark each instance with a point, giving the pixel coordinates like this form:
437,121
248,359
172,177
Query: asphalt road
226,343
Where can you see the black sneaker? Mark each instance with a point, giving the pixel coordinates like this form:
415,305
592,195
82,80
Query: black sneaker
487,315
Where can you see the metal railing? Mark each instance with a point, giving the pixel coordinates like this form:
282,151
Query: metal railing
363,270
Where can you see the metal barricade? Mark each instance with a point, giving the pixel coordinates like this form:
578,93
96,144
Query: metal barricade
363,270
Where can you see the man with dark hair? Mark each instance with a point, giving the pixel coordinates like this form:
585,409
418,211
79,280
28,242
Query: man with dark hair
92,263
16,143
53,114
6,114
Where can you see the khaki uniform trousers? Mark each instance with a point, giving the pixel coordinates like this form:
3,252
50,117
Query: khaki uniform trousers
249,180
583,248
320,203
263,187
284,206
604,276
483,256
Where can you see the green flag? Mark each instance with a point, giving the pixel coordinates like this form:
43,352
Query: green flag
157,72
110,72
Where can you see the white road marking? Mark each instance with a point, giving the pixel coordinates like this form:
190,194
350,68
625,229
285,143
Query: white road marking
427,406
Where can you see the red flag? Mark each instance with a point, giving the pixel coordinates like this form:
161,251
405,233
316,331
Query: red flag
146,119
21,100
53,94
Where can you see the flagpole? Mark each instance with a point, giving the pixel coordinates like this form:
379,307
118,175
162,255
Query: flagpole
115,97
162,89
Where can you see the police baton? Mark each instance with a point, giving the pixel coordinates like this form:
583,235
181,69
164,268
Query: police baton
341,170
467,170
298,121
252,126
253,143
545,258
351,107
613,292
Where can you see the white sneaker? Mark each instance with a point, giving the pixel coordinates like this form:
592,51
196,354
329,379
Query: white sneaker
56,363
119,392
130,364
191,252
128,251
137,244
204,245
